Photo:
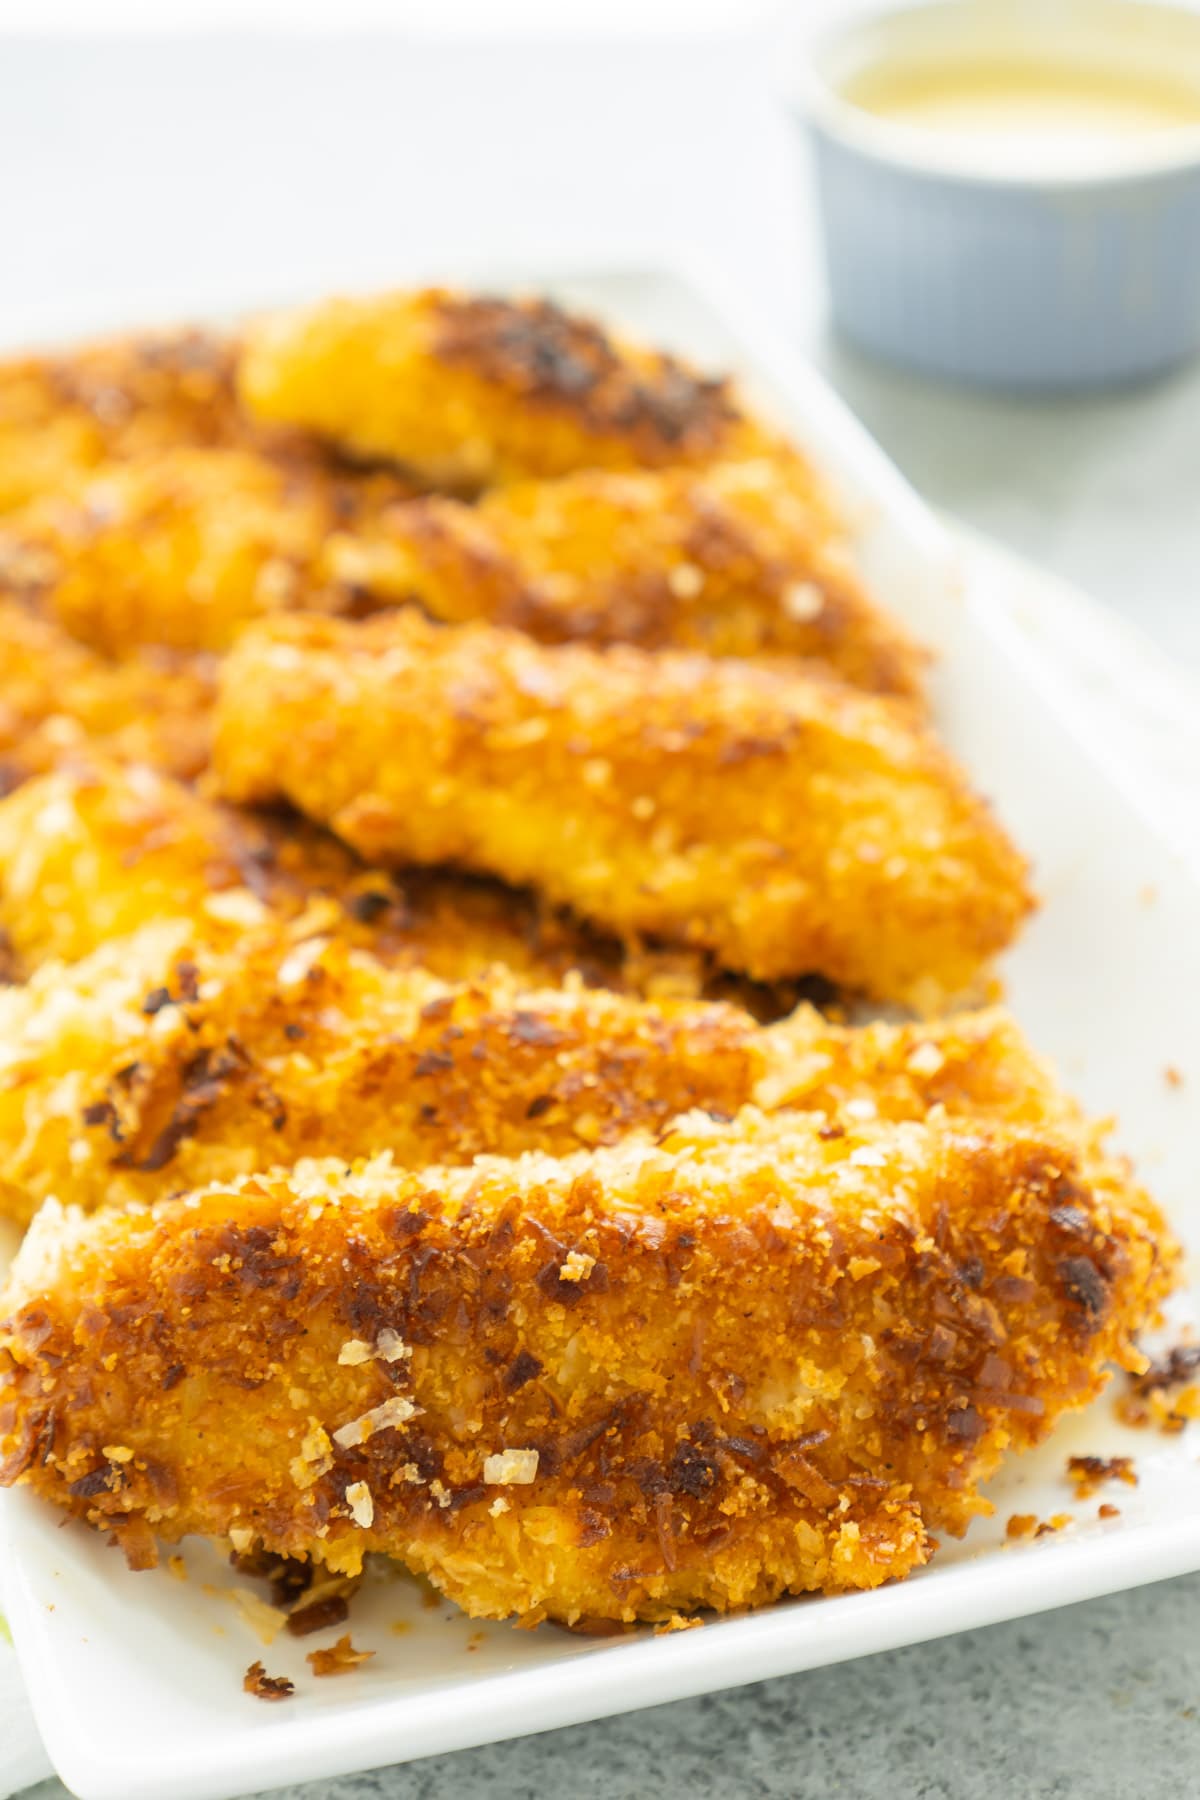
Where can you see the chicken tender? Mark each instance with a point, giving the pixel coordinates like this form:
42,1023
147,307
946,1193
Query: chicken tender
62,414
783,822
58,700
160,1063
739,559
469,391
763,1358
182,548
90,854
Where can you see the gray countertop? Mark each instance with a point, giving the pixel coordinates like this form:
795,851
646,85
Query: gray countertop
140,170
1101,1701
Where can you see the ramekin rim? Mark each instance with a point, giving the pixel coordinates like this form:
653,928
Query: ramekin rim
809,94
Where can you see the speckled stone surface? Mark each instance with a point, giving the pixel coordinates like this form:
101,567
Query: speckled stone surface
1101,1701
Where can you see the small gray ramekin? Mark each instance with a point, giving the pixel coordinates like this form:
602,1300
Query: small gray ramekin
1045,280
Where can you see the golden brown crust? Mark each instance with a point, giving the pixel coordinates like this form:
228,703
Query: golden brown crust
164,1062
93,852
785,823
741,559
555,361
185,546
763,1358
59,700
63,413
160,1063
470,391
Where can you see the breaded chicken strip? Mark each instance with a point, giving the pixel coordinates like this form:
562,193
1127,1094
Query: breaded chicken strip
62,414
763,1358
185,547
469,391
160,1063
783,822
739,559
182,548
59,699
91,853
163,1062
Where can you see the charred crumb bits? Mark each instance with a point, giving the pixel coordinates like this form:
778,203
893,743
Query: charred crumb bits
1088,1473
368,907
1180,1363
155,1000
1153,1398
103,1112
341,1659
1057,1522
1028,1525
256,1681
334,1610
187,979
1084,1284
547,355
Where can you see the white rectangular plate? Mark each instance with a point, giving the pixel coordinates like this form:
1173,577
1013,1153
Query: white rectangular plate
136,1679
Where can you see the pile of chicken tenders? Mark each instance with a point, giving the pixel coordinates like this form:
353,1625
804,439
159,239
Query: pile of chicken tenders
499,1065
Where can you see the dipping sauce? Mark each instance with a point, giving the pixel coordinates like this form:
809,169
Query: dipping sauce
1032,114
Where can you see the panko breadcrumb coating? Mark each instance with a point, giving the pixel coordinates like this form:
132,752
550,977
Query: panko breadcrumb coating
761,1358
159,1063
59,699
183,547
163,1062
91,853
740,559
783,822
64,413
469,391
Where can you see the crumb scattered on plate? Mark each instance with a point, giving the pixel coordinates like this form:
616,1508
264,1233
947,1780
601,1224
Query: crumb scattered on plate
1088,1473
341,1659
267,1687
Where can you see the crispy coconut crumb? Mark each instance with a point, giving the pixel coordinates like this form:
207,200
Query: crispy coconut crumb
236,906
300,962
315,1458
926,1059
803,601
388,1347
511,1468
392,1412
577,1265
264,1620
361,1504
341,1659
